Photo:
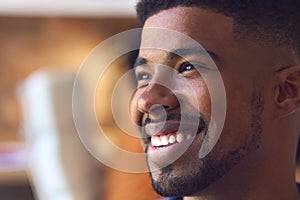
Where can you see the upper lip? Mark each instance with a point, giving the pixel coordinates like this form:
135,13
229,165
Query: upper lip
161,127
174,123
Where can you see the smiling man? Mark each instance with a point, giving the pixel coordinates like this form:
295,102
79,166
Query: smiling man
255,46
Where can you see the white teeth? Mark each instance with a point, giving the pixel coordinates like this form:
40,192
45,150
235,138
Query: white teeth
158,141
164,140
179,137
172,139
155,141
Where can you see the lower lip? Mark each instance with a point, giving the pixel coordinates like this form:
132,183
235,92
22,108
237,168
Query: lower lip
163,156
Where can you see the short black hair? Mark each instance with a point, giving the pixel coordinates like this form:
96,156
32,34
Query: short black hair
275,22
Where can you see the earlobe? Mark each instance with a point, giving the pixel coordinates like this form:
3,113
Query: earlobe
287,93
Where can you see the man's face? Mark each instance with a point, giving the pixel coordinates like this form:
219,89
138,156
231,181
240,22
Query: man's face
168,98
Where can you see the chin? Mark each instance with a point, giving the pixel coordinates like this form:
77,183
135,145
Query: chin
169,183
185,177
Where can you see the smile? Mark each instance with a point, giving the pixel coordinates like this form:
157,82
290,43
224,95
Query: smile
169,133
166,148
166,139
169,139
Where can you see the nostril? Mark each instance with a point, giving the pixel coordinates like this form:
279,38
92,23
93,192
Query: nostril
166,107
147,121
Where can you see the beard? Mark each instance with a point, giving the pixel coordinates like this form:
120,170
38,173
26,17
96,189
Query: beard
199,174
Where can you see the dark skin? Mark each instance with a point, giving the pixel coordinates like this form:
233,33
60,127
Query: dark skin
255,156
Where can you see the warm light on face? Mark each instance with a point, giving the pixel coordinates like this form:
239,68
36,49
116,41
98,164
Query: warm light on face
158,74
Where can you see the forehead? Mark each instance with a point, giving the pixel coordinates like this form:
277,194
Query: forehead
211,30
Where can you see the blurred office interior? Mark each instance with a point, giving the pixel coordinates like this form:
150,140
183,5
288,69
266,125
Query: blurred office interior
43,44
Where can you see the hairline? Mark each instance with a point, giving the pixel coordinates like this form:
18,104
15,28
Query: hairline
243,32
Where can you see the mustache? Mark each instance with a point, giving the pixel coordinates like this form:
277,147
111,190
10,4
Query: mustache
172,117
175,117
174,121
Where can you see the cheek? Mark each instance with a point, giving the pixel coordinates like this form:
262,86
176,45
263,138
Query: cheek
204,102
237,129
198,96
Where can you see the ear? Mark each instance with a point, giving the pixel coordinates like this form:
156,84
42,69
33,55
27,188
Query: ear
287,92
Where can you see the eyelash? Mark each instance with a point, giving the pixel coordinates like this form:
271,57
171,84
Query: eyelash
186,67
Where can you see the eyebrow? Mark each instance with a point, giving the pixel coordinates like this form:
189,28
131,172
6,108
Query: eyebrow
192,51
182,52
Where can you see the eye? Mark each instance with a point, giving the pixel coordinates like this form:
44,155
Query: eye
186,67
142,76
195,67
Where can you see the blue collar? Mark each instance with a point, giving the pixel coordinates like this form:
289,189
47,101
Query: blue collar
298,186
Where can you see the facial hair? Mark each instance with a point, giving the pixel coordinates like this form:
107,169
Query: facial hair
211,170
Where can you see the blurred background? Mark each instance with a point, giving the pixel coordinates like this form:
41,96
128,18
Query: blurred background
42,45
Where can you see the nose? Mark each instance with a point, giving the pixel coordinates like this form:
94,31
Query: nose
156,94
